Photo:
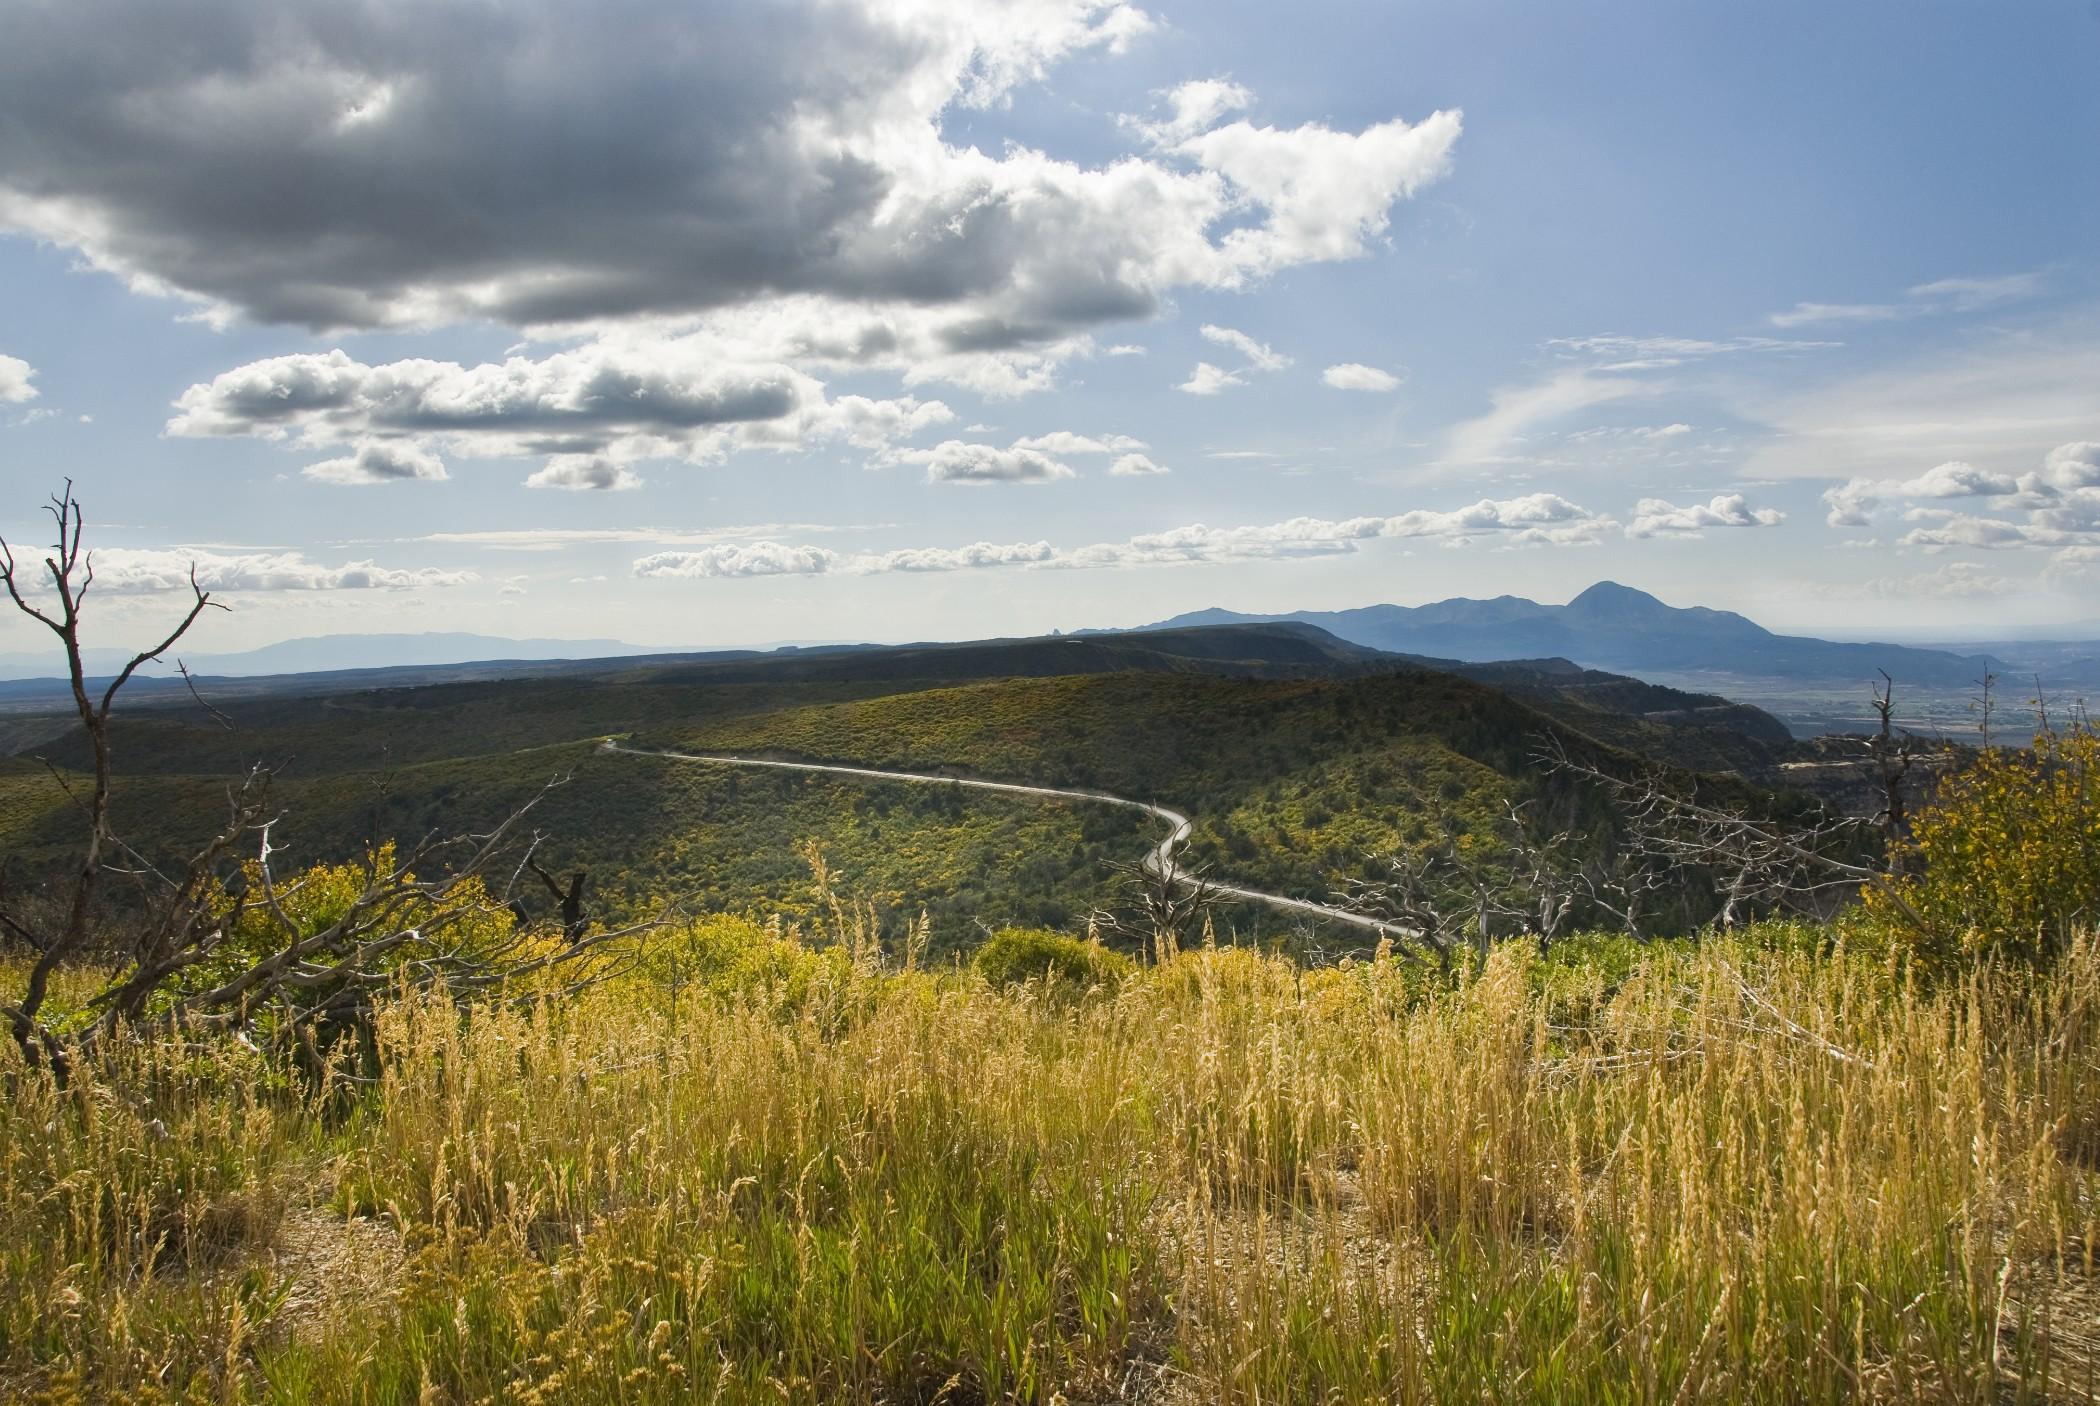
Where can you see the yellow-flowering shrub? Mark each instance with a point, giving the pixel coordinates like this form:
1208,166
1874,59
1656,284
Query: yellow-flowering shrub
2006,860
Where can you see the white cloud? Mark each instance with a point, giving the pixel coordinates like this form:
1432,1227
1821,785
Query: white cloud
742,559
775,559
1658,517
168,569
1260,355
1355,376
1852,502
1537,519
549,539
957,461
1967,294
1968,530
2061,501
1207,379
1645,434
584,472
1813,314
1326,193
1940,296
870,424
973,557
378,461
1194,107
1134,466
1067,443
613,401
1621,353
15,375
1516,411
2065,469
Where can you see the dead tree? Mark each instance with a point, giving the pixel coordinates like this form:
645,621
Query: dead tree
1407,889
573,923
1527,878
200,955
1895,750
1163,905
1754,864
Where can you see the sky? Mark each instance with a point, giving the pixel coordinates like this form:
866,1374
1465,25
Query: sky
773,320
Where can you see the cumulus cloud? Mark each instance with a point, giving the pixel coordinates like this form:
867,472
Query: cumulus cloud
591,409
957,461
15,375
1135,466
1193,107
168,569
378,462
1207,379
774,559
870,424
1355,376
2068,468
1536,519
973,557
2060,502
1658,517
1327,194
792,170
738,559
1948,530
1260,355
1852,502
584,473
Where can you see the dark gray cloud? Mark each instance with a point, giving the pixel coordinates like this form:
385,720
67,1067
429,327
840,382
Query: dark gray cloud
592,410
416,162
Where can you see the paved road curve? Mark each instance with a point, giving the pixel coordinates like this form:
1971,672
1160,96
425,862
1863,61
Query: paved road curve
1160,855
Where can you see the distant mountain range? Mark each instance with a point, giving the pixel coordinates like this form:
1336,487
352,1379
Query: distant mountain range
330,652
1615,627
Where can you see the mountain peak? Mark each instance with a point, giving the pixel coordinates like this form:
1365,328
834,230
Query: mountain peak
1611,598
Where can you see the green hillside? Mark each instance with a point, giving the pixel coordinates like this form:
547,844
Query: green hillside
1296,755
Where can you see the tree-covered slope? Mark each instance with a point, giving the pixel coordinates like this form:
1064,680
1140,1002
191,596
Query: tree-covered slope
1296,754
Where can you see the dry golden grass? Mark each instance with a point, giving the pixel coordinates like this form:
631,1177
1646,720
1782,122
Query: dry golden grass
1730,1174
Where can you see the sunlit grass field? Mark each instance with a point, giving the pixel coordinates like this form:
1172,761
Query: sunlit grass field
775,1165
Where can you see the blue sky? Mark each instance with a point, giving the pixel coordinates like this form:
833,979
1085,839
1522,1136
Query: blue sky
923,319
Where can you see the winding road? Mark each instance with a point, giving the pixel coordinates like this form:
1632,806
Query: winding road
1159,858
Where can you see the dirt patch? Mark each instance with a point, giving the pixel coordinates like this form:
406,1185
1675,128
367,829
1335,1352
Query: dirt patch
333,1264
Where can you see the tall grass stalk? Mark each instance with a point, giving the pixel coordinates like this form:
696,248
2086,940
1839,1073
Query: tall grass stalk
1729,1175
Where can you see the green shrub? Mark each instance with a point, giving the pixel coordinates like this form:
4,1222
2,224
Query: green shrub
731,958
2006,860
1013,955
